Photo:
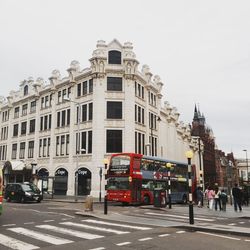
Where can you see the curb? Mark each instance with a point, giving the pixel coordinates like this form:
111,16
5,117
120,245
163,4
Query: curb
214,230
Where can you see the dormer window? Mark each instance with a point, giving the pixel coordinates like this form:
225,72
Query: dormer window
25,90
114,57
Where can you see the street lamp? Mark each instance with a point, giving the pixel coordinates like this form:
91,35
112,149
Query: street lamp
100,190
67,99
105,162
247,164
169,165
189,155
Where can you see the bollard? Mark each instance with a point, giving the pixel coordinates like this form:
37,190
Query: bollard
105,205
89,203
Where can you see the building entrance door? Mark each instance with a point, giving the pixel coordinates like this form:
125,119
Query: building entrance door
84,181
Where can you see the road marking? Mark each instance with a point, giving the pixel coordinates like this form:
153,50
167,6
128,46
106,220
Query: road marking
15,244
218,235
144,239
123,243
117,224
181,232
70,232
242,222
231,224
48,220
179,216
94,228
28,223
40,236
247,240
163,235
98,248
8,225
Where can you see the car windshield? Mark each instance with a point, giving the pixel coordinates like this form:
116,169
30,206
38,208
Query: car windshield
34,187
26,188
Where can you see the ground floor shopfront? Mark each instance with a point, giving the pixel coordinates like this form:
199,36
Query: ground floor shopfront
56,180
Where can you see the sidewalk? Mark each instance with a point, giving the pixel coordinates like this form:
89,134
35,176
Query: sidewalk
98,212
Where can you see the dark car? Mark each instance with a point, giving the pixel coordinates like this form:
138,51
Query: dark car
22,192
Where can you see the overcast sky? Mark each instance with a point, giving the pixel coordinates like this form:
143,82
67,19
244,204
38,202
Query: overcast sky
200,49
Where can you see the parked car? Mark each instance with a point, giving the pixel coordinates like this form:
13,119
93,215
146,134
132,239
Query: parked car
22,192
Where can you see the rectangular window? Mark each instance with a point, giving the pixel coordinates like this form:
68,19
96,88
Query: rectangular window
24,109
67,144
16,112
33,107
48,148
50,121
114,83
50,99
44,147
90,111
46,101
58,119
63,118
41,123
68,116
64,94
14,151
57,145
84,113
114,110
90,86
62,144
45,122
79,89
84,88
89,142
15,130
83,143
114,141
42,103
40,147
32,125
31,149
59,96
22,150
23,128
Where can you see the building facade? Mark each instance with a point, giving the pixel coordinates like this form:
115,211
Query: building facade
67,127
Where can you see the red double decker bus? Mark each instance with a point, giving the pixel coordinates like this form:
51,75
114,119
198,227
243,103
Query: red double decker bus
132,178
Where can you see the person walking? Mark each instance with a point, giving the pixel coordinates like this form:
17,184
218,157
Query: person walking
237,195
199,195
217,198
223,198
210,196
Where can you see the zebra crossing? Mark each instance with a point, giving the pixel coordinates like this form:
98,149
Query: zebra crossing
23,237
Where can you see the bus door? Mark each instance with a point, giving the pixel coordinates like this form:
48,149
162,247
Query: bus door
136,191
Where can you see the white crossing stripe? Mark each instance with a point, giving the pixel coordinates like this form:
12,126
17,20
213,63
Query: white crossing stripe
117,225
40,236
144,239
123,243
163,235
98,248
70,232
15,244
94,228
178,216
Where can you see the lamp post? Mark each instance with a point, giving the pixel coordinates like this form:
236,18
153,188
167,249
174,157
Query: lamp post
100,190
77,145
169,165
189,155
247,164
105,161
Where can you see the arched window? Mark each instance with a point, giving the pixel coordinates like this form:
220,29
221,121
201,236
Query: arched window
114,57
26,89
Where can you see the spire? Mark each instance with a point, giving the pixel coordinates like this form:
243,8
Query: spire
196,116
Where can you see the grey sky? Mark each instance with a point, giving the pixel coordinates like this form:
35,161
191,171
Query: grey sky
200,49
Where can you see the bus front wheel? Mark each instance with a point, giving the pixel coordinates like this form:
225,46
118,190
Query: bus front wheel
146,200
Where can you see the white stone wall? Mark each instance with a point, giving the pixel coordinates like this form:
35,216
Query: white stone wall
173,138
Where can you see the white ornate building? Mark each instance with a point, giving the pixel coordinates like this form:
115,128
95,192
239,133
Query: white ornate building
120,110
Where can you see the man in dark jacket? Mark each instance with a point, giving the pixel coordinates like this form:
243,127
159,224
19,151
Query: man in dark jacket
237,194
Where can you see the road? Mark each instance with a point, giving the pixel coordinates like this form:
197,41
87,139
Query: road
50,225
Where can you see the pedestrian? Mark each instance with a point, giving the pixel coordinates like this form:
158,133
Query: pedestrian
210,196
217,194
237,195
206,196
223,198
199,195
